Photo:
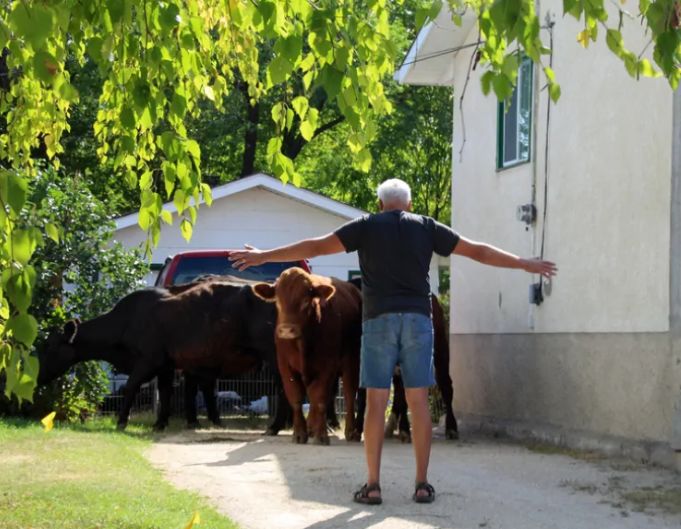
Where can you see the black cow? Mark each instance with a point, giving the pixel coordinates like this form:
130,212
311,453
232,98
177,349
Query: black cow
204,328
398,414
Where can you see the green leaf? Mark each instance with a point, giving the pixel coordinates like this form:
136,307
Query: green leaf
116,9
300,104
67,91
274,146
208,92
128,117
24,327
278,113
194,151
145,219
186,229
180,200
169,17
486,81
503,88
290,47
309,125
207,193
613,39
141,94
146,180
52,232
169,177
45,66
307,63
19,286
646,69
34,22
17,190
363,160
166,216
279,70
331,80
24,243
178,106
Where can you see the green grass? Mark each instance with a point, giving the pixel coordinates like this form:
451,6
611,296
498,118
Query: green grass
88,477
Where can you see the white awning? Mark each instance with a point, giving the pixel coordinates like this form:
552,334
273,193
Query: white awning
430,60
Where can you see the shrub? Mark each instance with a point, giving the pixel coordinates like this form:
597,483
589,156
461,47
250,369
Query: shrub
81,273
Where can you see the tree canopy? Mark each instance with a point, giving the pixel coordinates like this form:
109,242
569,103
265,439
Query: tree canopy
162,62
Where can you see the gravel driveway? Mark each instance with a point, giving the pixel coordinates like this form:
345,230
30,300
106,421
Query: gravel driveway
268,482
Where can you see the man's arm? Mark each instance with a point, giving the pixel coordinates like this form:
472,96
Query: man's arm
489,255
296,251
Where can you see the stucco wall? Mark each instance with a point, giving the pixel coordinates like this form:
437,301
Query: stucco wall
609,384
607,223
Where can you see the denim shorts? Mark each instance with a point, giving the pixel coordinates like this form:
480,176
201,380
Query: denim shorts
397,338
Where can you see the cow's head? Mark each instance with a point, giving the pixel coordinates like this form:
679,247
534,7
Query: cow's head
59,353
299,296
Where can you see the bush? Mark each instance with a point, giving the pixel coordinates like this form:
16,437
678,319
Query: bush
81,273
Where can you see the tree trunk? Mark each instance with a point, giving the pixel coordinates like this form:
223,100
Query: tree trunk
251,134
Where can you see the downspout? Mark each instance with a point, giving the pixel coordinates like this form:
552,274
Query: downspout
534,125
675,275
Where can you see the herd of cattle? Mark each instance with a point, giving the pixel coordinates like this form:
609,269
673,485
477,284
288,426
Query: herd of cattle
307,325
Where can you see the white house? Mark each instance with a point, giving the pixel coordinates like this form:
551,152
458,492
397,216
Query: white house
599,361
257,210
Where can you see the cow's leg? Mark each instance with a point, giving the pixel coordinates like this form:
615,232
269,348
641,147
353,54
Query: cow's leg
295,393
191,383
140,374
165,389
444,382
331,416
400,409
441,364
318,393
283,413
350,385
207,386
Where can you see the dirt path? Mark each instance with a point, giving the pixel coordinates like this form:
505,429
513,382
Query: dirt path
271,483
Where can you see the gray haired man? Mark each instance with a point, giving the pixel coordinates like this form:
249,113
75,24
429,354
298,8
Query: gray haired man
395,248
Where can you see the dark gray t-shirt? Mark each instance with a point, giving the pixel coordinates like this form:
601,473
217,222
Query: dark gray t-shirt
395,248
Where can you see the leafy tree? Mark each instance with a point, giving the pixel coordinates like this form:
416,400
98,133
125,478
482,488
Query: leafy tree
159,61
96,272
412,143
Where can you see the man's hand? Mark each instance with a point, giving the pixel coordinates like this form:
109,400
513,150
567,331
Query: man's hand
539,266
242,259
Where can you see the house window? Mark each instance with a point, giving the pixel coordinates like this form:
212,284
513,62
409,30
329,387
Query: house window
515,121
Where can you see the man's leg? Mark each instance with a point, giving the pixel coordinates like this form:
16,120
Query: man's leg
377,401
422,430
377,362
416,361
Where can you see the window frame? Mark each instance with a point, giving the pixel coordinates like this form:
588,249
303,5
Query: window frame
525,62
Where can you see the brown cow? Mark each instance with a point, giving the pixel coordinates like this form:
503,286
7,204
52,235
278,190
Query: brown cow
317,336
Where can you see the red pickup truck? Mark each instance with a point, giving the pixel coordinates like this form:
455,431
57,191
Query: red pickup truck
184,267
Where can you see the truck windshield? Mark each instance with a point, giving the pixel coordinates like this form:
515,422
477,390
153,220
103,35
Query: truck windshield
190,268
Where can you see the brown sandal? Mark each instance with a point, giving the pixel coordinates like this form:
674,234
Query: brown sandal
362,495
424,498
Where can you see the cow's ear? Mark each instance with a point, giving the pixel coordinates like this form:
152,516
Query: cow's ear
264,291
70,330
325,292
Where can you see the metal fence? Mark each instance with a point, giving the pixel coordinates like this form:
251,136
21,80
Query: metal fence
253,394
